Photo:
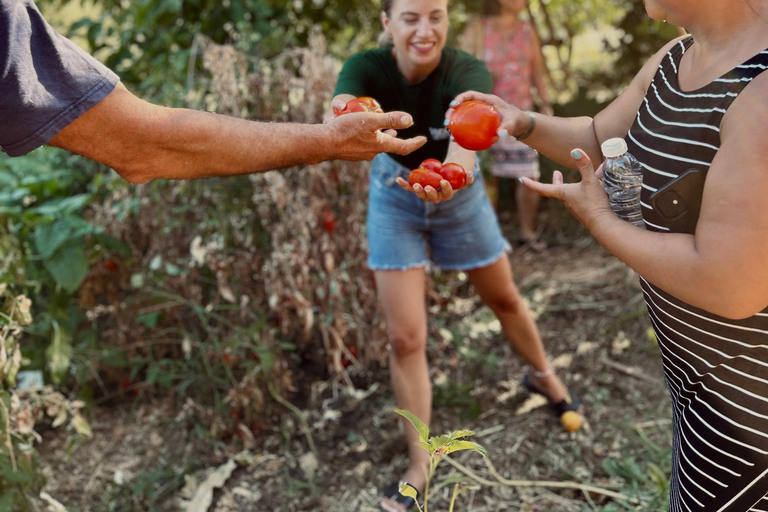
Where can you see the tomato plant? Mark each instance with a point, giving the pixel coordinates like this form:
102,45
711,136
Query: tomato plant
361,104
454,174
474,125
425,177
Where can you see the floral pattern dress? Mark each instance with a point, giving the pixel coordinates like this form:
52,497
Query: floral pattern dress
509,57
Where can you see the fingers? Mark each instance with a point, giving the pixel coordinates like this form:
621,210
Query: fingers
473,95
584,165
405,146
391,133
599,172
446,191
554,190
470,179
391,120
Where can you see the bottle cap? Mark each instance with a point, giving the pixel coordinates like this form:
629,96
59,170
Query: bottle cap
613,148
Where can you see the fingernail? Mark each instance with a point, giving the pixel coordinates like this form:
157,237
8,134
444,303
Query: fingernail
445,122
452,138
405,119
576,154
520,180
503,133
452,104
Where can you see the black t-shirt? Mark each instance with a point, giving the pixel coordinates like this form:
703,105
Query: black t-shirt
46,81
374,73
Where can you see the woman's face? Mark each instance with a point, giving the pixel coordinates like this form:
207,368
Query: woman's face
512,6
418,29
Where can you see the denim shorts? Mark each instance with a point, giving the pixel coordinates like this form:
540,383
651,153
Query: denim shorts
405,232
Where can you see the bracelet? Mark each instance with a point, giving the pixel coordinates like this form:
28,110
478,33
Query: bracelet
531,127
546,373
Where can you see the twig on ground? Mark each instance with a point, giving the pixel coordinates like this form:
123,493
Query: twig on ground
295,410
534,483
631,371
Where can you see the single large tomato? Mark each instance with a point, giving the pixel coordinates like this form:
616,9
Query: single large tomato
454,174
432,164
361,104
425,177
474,125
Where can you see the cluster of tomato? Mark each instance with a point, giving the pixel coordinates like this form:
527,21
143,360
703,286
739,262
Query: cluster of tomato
431,172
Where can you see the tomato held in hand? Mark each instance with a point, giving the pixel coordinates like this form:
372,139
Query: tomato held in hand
431,164
474,125
425,177
361,104
454,174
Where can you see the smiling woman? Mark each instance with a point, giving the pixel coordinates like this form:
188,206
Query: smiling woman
409,228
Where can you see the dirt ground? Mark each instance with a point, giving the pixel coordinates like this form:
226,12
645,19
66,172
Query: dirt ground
144,456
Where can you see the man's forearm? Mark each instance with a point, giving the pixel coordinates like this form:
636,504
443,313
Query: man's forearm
192,144
142,141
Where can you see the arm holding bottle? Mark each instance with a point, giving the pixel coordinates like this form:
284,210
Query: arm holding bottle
721,268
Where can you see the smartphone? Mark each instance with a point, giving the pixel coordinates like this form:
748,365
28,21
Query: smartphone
679,201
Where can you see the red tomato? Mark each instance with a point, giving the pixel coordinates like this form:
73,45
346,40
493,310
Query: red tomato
432,164
425,177
328,221
474,125
361,104
454,174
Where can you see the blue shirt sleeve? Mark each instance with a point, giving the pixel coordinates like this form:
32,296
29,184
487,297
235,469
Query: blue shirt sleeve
46,81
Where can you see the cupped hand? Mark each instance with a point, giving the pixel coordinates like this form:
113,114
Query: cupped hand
363,135
586,200
432,195
513,120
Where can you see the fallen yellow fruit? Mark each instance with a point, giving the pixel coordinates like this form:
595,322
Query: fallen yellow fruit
571,420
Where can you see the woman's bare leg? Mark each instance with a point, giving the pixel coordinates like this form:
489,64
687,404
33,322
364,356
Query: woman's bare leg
402,298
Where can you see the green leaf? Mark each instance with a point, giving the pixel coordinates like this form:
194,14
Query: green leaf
8,179
50,236
462,433
421,428
6,501
456,446
18,477
13,196
63,205
407,490
59,353
68,265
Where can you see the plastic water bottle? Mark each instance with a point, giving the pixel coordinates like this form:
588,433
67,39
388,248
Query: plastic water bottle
623,180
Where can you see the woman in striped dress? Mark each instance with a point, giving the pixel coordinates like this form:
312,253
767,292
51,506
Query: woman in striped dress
701,103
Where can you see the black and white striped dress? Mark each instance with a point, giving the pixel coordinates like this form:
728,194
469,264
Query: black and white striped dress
716,369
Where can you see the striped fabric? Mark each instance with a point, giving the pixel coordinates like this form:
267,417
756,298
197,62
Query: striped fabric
716,369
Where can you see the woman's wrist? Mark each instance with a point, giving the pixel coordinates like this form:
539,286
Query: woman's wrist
530,126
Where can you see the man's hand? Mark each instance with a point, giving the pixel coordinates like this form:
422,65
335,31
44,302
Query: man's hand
359,136
513,120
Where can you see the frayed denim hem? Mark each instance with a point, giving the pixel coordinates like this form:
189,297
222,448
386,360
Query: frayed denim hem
483,263
424,263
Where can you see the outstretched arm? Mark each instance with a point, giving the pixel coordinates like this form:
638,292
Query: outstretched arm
555,137
143,141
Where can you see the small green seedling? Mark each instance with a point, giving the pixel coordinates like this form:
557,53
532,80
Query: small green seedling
438,447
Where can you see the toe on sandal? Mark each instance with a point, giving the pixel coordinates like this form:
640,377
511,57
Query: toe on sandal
392,492
571,403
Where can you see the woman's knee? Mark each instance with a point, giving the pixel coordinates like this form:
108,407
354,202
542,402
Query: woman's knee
506,302
405,341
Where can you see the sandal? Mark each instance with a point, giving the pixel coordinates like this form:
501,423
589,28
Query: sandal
570,403
392,492
533,244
